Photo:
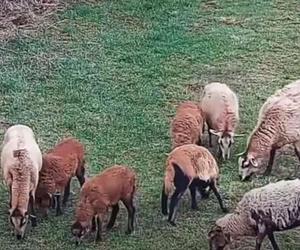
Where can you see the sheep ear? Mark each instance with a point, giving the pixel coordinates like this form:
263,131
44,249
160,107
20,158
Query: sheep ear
240,154
227,237
231,134
215,132
254,162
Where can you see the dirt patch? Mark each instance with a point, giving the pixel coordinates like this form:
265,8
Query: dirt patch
24,16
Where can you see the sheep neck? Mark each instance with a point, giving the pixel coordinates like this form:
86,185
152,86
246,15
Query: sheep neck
20,191
262,140
238,225
84,212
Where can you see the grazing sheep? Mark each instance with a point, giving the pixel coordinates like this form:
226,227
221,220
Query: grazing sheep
278,124
21,161
261,212
187,125
60,164
188,166
221,108
101,192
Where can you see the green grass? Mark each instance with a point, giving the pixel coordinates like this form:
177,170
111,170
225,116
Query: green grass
111,73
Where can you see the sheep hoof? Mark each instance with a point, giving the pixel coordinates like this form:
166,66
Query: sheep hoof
195,207
59,213
33,220
267,172
128,232
172,223
225,210
165,213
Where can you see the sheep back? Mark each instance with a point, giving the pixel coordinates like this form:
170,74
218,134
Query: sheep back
186,127
107,188
280,201
195,161
221,107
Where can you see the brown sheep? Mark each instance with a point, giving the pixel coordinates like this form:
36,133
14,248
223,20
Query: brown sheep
187,125
60,164
101,192
190,166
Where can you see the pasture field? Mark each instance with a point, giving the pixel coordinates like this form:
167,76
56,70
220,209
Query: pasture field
111,72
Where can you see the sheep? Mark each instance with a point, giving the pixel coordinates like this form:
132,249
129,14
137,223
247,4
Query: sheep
190,166
105,190
187,125
21,161
221,109
277,125
60,164
261,212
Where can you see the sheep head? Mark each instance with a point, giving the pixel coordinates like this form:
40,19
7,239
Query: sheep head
79,230
19,219
249,165
225,141
218,240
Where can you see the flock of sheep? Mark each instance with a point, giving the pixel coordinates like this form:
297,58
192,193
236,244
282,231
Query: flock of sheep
42,181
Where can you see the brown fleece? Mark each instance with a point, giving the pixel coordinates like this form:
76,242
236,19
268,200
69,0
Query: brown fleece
103,191
187,125
195,161
21,181
60,164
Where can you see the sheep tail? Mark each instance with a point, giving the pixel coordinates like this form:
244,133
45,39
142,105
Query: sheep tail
20,153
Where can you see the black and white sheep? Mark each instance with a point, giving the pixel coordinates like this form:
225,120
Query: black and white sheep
261,212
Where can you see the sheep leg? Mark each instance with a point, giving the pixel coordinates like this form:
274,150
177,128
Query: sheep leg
214,188
260,235
273,241
99,229
57,197
32,211
271,161
193,195
209,137
164,202
131,212
66,193
181,182
94,224
80,176
174,206
114,213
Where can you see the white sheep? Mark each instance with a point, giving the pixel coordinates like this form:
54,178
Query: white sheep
221,108
278,125
21,160
261,212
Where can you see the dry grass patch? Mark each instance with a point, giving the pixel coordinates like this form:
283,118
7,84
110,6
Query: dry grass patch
24,16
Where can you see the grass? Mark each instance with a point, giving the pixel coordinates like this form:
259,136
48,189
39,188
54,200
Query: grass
111,74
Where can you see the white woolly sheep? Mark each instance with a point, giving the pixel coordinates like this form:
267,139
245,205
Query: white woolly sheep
278,125
190,166
105,190
261,212
60,165
21,161
187,125
221,109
